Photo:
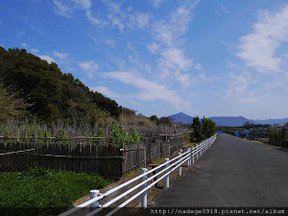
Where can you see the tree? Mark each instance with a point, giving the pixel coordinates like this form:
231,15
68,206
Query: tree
196,127
10,105
153,118
208,128
164,121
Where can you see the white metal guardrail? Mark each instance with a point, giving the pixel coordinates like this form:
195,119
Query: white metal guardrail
147,178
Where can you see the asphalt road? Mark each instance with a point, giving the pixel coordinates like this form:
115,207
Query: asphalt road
232,173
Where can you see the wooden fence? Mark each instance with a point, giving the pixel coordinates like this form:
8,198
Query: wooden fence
278,136
106,159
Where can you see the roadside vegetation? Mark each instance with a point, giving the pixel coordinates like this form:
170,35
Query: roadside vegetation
202,129
41,188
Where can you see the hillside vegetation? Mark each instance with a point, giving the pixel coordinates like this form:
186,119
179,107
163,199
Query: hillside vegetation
47,93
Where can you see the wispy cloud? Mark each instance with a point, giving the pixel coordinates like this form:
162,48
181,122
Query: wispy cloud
25,45
148,90
140,20
259,49
66,9
83,4
240,88
92,19
89,67
47,58
157,3
62,9
107,91
168,44
62,57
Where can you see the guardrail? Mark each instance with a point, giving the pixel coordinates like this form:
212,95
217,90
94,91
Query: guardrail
147,178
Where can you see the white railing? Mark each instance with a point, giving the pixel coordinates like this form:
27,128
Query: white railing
147,178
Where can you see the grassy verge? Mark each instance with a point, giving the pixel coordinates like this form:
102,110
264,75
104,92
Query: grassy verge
188,145
44,188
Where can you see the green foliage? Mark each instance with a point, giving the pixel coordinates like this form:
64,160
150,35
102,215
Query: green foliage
45,188
52,94
153,118
11,106
202,129
196,126
208,128
164,121
121,136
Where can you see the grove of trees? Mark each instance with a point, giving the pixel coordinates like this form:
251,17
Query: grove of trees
202,129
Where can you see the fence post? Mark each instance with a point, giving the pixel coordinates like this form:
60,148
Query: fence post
180,167
144,194
93,194
167,184
192,154
190,159
169,148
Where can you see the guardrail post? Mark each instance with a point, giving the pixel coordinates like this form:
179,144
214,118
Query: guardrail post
180,167
144,194
192,155
93,194
189,160
166,179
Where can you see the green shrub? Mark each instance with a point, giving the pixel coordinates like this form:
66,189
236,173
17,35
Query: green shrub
119,135
46,188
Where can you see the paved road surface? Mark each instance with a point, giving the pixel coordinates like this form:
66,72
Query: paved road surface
232,173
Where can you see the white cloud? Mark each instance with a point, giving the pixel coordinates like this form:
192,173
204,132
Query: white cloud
157,3
141,20
92,19
106,91
240,88
149,90
153,48
168,41
174,59
61,56
84,4
89,67
34,50
170,31
49,59
25,45
259,49
117,22
62,9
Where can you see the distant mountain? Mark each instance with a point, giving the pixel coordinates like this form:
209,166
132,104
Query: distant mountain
272,121
181,118
232,121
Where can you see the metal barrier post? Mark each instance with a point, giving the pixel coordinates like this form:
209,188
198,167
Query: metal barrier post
192,152
93,194
166,179
180,167
144,194
189,160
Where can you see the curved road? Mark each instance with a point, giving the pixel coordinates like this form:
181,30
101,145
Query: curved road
233,173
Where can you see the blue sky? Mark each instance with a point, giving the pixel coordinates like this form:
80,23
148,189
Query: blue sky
212,58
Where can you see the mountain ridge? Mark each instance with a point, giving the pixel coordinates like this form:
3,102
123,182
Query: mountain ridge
232,121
